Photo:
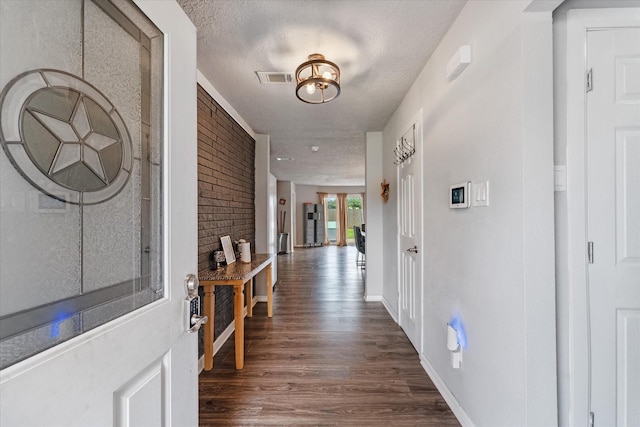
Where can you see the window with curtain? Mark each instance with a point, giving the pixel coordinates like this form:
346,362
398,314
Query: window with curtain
331,218
355,215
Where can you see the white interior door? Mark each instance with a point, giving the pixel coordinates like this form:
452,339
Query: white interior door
141,368
613,218
409,237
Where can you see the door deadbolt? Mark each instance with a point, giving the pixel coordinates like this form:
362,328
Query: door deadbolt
191,284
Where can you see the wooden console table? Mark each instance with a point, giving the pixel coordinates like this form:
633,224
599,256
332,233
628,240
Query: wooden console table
237,275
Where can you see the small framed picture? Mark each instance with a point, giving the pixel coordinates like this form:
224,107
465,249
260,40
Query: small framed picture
227,247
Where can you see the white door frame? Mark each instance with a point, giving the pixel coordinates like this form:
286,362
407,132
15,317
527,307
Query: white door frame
578,22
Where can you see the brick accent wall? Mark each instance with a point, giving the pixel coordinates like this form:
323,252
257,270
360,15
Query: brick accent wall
226,192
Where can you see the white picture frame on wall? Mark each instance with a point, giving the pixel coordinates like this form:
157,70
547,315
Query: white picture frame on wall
227,247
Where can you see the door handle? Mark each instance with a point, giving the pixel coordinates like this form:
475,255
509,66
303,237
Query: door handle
197,321
413,249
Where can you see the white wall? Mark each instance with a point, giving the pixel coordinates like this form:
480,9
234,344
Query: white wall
374,220
286,191
493,266
265,206
309,194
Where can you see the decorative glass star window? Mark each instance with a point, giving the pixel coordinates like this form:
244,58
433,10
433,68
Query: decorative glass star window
70,132
81,169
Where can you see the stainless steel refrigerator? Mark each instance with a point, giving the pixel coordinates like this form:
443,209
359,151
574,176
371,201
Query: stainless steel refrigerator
313,224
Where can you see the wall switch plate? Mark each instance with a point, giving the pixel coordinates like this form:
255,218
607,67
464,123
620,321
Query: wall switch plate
480,194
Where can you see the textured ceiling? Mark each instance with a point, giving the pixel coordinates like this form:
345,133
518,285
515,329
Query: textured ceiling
380,47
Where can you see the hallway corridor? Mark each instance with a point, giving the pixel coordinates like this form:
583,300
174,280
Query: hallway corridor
326,357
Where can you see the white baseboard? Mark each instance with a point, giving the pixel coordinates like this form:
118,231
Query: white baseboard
373,298
222,339
217,344
392,313
457,410
262,298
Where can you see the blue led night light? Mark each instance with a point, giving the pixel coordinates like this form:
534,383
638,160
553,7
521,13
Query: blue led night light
456,323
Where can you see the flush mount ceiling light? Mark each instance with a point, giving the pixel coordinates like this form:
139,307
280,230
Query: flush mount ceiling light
318,80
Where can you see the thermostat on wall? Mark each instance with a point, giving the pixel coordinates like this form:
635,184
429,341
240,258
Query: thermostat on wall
459,195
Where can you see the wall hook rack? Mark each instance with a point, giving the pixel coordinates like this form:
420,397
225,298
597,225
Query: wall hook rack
405,148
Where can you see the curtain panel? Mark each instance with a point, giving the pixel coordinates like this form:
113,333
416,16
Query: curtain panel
341,213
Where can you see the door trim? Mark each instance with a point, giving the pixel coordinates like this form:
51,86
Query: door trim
578,23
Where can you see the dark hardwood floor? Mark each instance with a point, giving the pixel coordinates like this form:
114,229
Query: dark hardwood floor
326,358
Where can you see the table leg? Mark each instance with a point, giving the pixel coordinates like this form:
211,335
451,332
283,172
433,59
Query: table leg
269,292
238,317
209,308
249,293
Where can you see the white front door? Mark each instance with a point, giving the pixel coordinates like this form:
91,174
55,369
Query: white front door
613,224
409,235
141,367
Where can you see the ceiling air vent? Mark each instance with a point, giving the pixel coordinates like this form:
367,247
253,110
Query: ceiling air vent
274,77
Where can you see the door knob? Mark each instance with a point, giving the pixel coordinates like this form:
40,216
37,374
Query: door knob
413,249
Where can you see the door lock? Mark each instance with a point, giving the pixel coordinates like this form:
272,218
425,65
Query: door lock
413,249
193,316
